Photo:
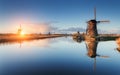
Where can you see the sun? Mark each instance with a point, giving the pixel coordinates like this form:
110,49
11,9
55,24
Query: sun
22,33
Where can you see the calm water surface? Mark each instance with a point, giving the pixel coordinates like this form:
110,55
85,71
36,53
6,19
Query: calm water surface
59,56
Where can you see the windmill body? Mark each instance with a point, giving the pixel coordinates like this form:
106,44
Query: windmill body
92,29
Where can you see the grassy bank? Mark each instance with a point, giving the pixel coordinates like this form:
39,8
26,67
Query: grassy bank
15,37
100,37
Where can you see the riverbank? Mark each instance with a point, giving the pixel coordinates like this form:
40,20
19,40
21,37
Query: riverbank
15,37
100,37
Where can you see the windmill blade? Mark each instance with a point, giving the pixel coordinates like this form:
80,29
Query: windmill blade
95,13
95,64
103,21
103,56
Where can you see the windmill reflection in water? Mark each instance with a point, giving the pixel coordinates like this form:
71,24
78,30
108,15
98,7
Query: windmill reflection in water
91,46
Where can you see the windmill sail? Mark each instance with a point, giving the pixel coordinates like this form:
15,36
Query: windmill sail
95,13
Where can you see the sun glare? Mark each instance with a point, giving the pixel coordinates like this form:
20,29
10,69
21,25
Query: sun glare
22,33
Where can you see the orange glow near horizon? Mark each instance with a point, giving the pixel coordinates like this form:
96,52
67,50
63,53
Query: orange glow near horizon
35,28
27,26
26,29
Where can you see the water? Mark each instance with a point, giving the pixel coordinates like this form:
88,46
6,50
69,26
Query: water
59,56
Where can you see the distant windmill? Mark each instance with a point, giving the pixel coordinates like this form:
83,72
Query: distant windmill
19,30
91,30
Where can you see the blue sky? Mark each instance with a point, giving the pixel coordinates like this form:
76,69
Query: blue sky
62,14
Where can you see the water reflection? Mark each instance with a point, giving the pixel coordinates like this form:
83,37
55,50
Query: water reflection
77,40
63,57
37,42
91,46
5,42
46,42
118,43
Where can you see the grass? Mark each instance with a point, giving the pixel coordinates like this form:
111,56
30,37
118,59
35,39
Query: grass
15,37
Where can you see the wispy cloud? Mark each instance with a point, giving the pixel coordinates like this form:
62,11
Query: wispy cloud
72,29
30,27
114,31
75,29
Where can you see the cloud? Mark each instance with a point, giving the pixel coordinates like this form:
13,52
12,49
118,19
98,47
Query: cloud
51,28
29,27
40,27
114,31
73,29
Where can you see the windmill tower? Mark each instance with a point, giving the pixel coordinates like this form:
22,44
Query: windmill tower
19,30
91,30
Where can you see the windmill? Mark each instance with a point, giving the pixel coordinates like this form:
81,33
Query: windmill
19,30
91,30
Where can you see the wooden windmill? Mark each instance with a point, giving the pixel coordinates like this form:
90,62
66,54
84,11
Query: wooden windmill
91,30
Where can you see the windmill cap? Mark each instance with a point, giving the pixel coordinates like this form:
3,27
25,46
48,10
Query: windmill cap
94,21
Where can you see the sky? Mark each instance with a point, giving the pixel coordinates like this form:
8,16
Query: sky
62,16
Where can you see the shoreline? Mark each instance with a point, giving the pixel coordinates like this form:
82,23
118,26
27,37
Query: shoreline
15,37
